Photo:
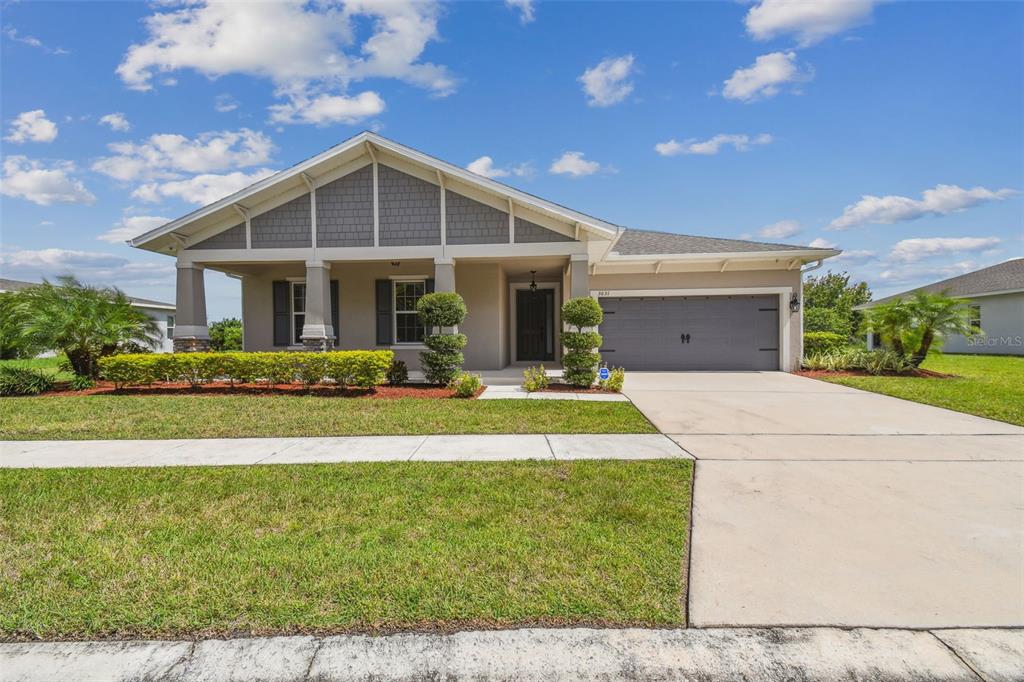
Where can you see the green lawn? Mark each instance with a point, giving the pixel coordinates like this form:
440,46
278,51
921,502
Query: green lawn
208,551
987,386
48,365
234,416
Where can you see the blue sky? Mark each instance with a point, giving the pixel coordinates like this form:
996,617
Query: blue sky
892,130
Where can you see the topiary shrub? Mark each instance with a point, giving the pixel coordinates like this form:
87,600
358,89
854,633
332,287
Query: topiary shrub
443,362
823,342
581,358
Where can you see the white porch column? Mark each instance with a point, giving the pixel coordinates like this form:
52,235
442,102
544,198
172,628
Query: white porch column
317,330
190,331
871,341
444,274
579,280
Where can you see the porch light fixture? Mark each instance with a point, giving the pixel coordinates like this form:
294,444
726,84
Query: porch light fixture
794,303
533,280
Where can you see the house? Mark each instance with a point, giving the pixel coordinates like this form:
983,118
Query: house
996,296
162,313
335,252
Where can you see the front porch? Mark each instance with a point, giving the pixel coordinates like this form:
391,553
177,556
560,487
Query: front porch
513,321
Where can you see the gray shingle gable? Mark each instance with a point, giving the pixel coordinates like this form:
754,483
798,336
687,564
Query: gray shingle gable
1006,276
648,242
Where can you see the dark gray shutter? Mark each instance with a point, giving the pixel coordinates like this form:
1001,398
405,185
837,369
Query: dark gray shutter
384,336
429,286
282,323
334,310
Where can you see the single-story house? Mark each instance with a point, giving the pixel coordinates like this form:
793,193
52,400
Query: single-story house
335,251
996,296
162,313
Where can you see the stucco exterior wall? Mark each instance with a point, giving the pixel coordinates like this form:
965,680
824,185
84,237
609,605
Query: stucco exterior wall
715,280
160,315
1002,320
479,284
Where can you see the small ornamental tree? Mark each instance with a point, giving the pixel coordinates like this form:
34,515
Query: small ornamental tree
581,357
440,311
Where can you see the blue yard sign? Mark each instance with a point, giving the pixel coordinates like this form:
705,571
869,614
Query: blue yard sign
603,374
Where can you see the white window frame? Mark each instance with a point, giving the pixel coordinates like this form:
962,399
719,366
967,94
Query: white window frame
170,326
975,314
395,312
291,310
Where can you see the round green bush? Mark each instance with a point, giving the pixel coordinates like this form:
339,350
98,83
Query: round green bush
445,343
823,342
441,309
580,359
581,341
582,312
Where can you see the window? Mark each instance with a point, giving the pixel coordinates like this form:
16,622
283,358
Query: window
974,317
407,323
298,311
170,326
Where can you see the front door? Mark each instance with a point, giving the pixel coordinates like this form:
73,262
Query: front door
535,324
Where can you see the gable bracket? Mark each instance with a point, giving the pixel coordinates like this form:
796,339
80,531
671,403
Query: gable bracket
511,222
244,212
725,264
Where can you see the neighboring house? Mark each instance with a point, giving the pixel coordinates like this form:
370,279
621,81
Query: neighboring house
162,313
996,296
336,251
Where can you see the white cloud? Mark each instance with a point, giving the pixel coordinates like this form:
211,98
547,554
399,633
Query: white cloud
116,121
525,9
810,21
765,77
740,143
309,51
32,41
608,83
819,243
913,250
485,166
132,226
225,103
200,189
573,164
167,155
325,109
90,266
940,200
779,230
925,274
32,126
41,184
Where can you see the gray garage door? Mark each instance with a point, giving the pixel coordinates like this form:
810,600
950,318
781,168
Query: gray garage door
691,332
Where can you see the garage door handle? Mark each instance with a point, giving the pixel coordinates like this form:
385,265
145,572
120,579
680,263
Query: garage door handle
684,338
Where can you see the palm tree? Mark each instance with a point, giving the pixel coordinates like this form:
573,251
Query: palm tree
83,321
935,316
890,321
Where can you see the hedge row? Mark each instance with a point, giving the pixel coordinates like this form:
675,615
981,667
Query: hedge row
824,342
362,368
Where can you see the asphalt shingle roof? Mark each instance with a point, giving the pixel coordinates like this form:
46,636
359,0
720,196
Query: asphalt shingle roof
1005,276
18,285
648,242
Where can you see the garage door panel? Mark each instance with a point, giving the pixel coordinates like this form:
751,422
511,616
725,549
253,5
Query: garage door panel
696,333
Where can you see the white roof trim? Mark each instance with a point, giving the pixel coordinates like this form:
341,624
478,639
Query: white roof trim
601,227
813,254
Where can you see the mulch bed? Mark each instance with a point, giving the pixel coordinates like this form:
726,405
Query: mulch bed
919,373
224,388
566,388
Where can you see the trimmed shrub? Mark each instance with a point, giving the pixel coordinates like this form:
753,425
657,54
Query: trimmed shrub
398,373
361,368
535,379
443,362
581,358
23,381
465,385
823,342
616,378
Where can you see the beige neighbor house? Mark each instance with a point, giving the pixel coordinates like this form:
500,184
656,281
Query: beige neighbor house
996,299
335,251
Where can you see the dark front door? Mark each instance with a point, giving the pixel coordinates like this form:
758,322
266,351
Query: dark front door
535,324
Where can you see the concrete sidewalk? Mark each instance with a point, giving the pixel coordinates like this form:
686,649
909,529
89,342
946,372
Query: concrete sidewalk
240,451
539,654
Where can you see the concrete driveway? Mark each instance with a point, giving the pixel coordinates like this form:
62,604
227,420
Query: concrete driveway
817,504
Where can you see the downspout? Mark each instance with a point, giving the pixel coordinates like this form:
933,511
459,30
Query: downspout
800,328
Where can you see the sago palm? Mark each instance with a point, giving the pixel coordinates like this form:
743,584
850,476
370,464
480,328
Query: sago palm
935,316
890,321
84,322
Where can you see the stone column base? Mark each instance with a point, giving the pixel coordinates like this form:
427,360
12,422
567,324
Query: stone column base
190,345
317,345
